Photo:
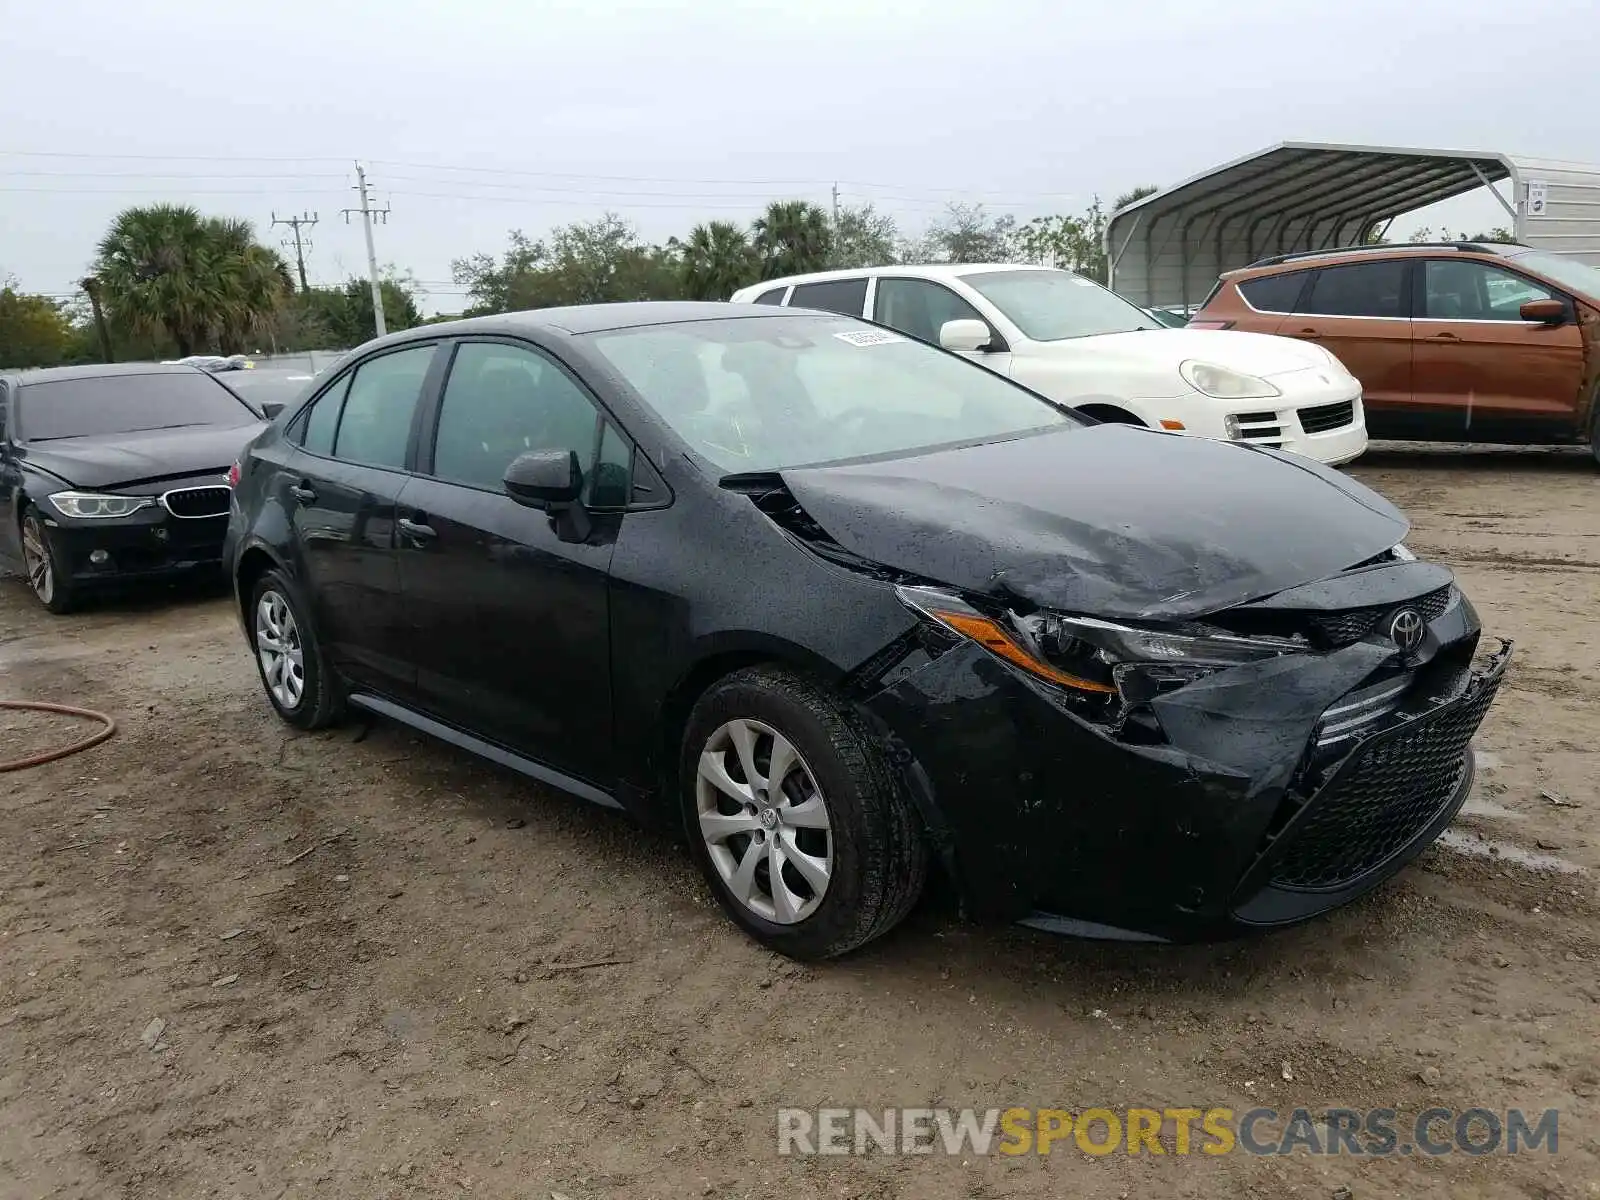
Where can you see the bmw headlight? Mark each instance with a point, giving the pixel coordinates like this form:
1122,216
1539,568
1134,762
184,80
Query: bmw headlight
95,505
1098,660
1224,383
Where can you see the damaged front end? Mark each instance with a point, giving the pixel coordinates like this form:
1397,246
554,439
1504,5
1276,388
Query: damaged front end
1190,778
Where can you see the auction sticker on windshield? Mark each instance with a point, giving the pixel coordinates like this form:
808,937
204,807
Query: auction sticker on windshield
868,337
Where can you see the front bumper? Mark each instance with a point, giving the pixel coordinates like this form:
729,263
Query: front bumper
1237,819
150,544
1319,419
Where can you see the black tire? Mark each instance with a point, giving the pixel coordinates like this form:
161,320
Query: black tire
879,857
1594,427
50,585
319,700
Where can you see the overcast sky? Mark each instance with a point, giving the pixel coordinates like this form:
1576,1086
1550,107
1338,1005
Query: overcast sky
670,111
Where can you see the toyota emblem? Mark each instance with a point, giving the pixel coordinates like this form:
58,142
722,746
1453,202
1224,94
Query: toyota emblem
1406,630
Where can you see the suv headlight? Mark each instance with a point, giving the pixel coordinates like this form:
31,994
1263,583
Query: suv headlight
1098,658
1224,383
94,505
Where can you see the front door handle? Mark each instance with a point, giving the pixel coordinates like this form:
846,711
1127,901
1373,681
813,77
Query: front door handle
416,530
1443,337
302,493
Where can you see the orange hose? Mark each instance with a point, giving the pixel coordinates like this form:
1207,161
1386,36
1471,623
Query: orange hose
65,710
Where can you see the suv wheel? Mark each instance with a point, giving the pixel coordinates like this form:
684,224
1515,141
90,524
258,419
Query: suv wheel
1594,427
52,586
289,656
795,818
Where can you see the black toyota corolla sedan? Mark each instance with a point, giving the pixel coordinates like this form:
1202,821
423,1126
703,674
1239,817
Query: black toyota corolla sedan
115,473
844,606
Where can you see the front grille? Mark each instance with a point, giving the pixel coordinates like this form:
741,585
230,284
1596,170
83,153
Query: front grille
1327,416
1340,629
1382,797
197,502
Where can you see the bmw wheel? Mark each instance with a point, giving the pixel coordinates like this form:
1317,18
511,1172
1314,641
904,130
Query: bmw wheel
794,817
52,586
298,682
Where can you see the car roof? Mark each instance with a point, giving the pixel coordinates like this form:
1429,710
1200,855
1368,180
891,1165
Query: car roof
916,271
1320,258
97,371
593,318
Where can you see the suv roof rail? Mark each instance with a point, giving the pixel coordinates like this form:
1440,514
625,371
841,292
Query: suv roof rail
1471,247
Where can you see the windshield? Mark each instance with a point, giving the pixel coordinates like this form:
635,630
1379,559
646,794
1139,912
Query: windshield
1568,272
1051,306
762,394
125,404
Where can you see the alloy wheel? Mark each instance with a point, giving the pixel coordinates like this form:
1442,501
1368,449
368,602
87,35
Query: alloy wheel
36,561
764,821
279,648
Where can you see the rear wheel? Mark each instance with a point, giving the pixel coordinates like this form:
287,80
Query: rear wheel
1594,427
794,817
51,585
293,670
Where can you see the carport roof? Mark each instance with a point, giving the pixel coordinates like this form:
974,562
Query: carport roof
1169,247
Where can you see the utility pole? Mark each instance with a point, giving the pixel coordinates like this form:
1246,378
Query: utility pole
300,249
367,214
833,257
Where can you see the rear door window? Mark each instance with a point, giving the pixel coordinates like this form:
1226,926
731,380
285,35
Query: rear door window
375,426
1273,293
772,295
1369,289
845,296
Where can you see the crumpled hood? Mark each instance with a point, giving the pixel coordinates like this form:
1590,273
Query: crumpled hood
1108,520
1262,354
120,459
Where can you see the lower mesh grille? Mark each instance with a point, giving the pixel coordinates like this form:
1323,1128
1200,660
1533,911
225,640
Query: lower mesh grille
1381,798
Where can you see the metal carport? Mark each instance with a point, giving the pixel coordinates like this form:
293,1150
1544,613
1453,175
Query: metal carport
1169,248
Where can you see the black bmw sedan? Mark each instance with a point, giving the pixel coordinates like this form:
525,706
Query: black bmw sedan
845,607
115,473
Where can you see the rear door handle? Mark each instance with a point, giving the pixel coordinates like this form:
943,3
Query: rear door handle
1443,337
416,530
302,493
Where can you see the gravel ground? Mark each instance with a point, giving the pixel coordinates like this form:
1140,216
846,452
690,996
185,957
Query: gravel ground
381,968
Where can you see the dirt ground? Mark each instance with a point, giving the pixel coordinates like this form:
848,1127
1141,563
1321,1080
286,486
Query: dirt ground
388,970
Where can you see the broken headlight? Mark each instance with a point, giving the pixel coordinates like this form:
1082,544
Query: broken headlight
1097,658
1142,663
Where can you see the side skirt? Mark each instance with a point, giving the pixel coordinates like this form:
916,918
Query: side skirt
483,749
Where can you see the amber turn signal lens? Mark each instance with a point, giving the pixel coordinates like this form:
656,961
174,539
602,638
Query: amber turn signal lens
995,640
1166,424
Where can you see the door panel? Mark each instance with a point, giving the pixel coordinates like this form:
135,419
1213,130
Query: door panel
511,624
1358,312
344,524
509,603
340,486
1478,363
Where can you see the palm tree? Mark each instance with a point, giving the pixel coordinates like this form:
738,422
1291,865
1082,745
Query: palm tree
717,261
165,269
791,238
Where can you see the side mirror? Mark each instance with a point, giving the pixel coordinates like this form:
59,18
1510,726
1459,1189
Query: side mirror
544,478
1546,312
965,336
271,408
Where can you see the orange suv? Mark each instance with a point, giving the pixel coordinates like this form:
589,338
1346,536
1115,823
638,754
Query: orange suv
1459,341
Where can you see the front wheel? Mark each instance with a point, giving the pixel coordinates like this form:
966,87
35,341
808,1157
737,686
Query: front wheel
794,817
51,586
298,681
